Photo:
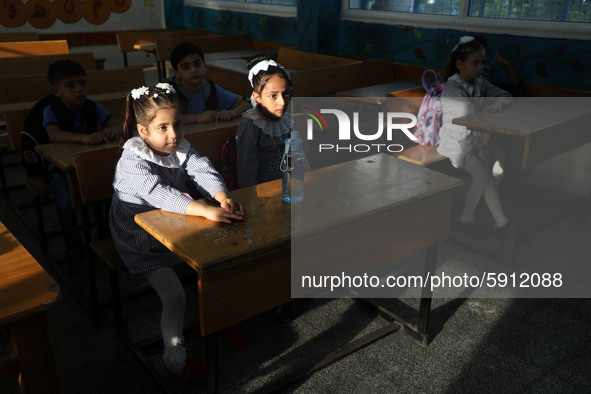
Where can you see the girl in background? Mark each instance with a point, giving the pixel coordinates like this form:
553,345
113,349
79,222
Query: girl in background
260,138
465,92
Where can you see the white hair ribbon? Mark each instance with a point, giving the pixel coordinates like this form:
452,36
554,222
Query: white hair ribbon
260,66
166,86
136,93
463,40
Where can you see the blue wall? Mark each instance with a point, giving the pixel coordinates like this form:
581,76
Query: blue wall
318,28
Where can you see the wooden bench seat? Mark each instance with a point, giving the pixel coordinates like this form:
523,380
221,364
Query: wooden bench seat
422,155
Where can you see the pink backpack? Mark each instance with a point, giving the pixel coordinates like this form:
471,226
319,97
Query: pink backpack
430,112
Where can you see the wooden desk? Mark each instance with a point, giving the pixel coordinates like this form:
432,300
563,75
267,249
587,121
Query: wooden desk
381,90
242,54
134,40
541,128
30,48
24,36
26,292
35,65
311,74
233,75
14,114
35,87
61,154
245,267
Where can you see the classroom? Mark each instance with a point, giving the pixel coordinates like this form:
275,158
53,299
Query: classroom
374,279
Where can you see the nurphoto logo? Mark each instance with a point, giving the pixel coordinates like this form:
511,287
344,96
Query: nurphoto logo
369,131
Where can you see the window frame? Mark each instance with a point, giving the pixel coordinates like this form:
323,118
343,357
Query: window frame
285,11
463,22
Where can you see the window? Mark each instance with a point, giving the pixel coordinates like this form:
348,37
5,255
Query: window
538,18
564,11
282,8
275,2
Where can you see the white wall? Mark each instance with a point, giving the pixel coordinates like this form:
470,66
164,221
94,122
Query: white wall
146,14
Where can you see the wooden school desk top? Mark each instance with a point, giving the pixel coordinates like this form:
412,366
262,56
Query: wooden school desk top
237,65
244,54
25,287
549,126
376,184
27,105
382,89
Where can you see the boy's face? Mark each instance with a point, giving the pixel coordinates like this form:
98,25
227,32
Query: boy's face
190,70
72,91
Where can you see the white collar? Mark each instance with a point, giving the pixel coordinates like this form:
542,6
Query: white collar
474,89
269,126
173,160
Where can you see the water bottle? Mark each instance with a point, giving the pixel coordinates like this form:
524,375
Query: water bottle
292,166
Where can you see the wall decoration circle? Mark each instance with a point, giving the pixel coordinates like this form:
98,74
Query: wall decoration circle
68,11
41,13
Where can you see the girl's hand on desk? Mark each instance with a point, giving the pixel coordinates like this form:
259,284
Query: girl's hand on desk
95,138
232,206
494,107
219,214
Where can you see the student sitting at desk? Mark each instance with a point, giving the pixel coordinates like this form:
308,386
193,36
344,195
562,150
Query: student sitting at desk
155,163
72,117
260,138
501,73
465,148
201,100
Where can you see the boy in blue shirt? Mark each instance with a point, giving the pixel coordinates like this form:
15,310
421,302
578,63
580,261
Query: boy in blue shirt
72,117
202,101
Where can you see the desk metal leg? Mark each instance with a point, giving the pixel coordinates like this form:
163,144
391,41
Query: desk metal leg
427,294
32,340
420,332
515,199
211,360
